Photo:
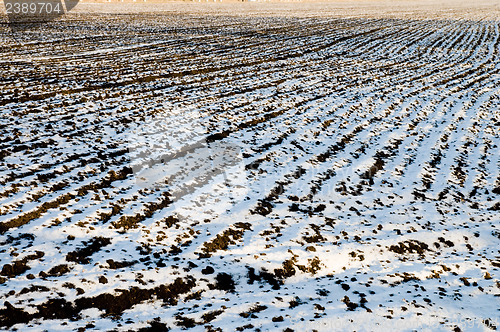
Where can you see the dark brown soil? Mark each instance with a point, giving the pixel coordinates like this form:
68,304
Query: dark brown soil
312,267
207,270
128,222
372,171
185,322
351,306
222,241
211,315
411,246
111,304
20,266
119,265
225,282
252,311
155,326
264,276
287,271
82,255
263,208
58,270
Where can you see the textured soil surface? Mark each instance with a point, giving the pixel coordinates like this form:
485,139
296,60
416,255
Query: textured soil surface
252,167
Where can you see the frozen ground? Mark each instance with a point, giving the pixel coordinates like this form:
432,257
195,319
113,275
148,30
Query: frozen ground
325,167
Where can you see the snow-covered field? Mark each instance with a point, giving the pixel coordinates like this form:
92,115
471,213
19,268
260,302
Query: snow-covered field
330,167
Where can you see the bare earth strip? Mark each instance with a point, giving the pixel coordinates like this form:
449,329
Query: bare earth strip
252,166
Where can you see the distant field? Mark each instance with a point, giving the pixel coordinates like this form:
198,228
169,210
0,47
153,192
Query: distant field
254,166
424,9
